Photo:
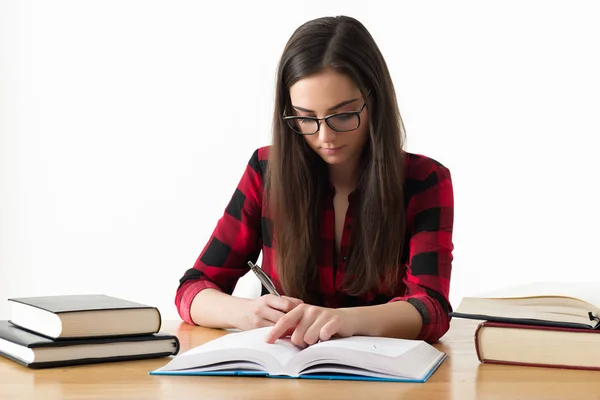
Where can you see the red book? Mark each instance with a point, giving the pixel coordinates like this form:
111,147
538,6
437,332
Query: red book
536,345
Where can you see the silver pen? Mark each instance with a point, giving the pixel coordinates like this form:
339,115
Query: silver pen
263,278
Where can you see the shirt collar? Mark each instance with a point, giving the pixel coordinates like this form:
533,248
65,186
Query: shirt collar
331,192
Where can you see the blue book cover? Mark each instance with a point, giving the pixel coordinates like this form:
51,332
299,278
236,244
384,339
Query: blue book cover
353,358
322,376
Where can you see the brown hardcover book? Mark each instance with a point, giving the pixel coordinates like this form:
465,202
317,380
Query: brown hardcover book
536,345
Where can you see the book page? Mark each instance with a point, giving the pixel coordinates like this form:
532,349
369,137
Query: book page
375,345
240,346
374,353
585,291
328,369
378,355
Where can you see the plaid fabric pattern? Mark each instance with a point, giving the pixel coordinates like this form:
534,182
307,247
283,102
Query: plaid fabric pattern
244,231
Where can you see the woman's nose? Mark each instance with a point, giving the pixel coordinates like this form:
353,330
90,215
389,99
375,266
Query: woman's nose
326,134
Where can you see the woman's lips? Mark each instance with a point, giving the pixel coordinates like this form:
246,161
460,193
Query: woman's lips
331,150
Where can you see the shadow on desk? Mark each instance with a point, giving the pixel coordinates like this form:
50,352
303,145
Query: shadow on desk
296,389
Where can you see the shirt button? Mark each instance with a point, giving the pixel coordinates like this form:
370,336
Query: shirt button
345,258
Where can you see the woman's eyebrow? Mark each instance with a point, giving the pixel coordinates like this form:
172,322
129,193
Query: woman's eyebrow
343,103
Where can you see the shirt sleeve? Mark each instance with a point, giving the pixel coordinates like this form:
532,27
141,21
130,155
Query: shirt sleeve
235,240
427,280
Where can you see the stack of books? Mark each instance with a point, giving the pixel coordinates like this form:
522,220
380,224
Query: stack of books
537,324
54,331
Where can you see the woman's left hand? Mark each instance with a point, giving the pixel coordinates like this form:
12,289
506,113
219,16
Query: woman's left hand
308,324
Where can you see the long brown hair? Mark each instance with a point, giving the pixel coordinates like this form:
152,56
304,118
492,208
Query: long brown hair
297,176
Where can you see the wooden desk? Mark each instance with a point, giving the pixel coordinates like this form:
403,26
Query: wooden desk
461,376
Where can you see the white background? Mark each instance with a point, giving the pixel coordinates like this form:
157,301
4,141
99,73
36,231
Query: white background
125,126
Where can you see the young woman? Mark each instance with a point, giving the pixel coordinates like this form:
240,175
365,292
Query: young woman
354,231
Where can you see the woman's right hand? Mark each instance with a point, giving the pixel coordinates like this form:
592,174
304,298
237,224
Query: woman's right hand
266,311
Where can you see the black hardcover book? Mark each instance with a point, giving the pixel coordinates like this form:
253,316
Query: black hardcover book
35,351
84,316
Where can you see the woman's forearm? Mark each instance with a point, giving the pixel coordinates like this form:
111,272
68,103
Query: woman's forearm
397,319
214,309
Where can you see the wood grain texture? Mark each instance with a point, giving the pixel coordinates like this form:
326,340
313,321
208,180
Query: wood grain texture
461,376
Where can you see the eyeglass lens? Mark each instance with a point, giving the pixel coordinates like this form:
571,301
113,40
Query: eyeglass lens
340,123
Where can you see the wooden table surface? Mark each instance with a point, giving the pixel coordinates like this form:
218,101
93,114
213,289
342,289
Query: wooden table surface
461,376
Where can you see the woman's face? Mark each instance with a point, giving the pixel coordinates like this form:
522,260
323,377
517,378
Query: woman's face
328,93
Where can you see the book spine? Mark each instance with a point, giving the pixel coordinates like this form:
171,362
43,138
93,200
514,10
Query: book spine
477,349
159,320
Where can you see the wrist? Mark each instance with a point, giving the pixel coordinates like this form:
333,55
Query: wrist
239,313
351,318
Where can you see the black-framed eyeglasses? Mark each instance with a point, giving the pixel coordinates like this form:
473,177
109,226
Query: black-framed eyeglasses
341,122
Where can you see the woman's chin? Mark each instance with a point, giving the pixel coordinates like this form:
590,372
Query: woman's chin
334,156
334,159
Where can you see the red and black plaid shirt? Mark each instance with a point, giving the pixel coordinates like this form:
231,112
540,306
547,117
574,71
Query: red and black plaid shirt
242,233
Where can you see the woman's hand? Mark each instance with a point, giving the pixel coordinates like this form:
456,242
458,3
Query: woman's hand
308,324
266,311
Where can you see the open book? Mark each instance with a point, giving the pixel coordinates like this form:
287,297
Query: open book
354,358
571,305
